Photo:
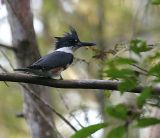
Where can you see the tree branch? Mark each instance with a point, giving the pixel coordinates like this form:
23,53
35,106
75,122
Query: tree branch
7,47
78,84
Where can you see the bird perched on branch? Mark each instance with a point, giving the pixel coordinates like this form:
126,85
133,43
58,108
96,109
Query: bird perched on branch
54,63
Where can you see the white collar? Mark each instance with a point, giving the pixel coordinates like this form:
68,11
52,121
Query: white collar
66,49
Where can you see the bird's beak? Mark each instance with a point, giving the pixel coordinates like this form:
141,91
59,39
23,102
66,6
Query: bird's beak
82,44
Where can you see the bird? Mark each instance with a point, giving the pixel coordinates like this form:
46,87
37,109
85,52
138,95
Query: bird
51,65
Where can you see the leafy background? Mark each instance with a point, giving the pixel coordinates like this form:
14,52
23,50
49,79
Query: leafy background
127,36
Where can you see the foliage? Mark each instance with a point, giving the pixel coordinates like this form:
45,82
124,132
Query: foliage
85,17
145,94
121,68
119,111
156,2
116,67
138,46
145,122
87,131
118,131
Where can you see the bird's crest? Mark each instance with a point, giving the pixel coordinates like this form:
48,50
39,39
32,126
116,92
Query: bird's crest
68,39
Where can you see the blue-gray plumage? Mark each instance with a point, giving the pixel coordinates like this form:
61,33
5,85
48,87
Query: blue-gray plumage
54,63
53,60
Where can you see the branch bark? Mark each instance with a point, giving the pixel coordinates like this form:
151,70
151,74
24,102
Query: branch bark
76,84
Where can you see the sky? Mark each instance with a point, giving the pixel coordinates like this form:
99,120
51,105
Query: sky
5,32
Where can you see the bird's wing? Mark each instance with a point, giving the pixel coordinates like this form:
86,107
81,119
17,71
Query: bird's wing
53,60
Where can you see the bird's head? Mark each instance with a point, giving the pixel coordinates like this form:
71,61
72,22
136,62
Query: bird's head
71,40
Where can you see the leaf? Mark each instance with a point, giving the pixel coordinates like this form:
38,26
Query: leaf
156,56
146,93
119,111
138,46
145,122
121,60
127,84
119,73
118,132
155,2
87,131
155,70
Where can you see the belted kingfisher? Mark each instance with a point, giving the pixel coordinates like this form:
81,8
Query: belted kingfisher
54,63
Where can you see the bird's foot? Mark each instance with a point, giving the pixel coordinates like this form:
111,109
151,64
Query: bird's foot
61,78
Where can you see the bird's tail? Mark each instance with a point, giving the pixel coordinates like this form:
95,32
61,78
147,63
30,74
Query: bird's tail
35,72
22,69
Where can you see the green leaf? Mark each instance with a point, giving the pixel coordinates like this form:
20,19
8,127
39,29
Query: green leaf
155,56
127,84
119,73
155,70
87,131
145,122
155,2
118,132
146,93
121,61
119,111
138,46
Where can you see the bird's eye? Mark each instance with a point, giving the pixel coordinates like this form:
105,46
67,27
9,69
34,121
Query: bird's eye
76,40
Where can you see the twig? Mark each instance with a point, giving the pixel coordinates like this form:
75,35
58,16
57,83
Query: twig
81,60
142,69
145,72
71,114
7,47
50,107
7,58
35,105
20,115
4,70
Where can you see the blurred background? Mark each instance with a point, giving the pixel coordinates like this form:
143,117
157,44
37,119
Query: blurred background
106,22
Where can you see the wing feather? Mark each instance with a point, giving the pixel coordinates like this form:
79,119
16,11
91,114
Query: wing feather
53,60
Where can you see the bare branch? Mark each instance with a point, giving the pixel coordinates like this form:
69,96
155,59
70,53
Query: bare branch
7,47
20,115
3,69
78,84
41,100
71,114
7,58
50,107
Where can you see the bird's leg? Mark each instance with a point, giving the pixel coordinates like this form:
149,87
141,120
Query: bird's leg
61,78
